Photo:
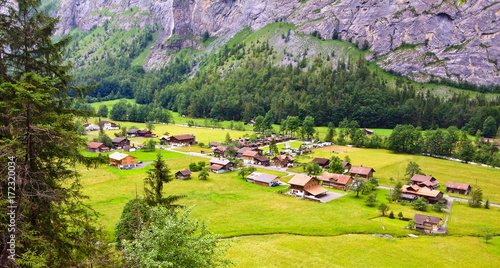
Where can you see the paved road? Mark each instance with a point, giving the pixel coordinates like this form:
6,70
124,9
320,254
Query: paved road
143,164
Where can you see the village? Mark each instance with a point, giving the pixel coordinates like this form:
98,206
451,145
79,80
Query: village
243,154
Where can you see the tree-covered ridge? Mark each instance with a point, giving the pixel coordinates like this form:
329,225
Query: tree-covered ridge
350,91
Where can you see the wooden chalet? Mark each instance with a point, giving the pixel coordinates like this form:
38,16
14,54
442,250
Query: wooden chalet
96,147
413,192
363,172
250,157
132,132
262,160
424,181
219,151
336,181
426,224
323,162
184,140
263,179
347,166
214,144
283,161
220,165
184,174
122,161
120,143
457,188
302,185
106,125
145,133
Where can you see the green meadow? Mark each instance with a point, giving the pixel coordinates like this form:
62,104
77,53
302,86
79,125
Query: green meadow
363,251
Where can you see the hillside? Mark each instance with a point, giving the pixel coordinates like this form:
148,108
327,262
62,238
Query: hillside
421,39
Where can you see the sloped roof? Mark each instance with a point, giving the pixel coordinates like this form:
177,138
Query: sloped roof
216,167
250,153
316,190
94,145
300,179
132,130
321,161
424,191
185,172
345,164
337,178
222,162
244,149
221,148
183,137
361,170
119,156
422,178
262,158
457,185
421,219
253,175
117,140
266,178
214,143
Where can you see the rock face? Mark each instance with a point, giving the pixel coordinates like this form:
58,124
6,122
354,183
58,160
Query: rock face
418,38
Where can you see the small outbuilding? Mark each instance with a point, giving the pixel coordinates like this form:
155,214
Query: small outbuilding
184,174
96,147
363,172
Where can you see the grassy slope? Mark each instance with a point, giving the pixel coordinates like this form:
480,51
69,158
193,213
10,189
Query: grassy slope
363,251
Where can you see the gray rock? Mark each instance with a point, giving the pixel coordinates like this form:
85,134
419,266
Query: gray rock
464,39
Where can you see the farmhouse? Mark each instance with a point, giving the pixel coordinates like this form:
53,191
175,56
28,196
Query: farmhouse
368,132
145,133
424,181
183,140
184,174
346,166
90,127
323,162
120,143
426,224
262,160
249,157
363,172
122,161
457,188
214,144
283,161
303,185
336,181
263,179
96,147
132,132
106,125
219,151
412,192
220,165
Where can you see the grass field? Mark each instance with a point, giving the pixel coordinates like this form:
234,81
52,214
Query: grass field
363,251
465,220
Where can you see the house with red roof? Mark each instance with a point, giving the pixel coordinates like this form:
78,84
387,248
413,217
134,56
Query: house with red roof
96,147
424,181
363,172
302,185
336,181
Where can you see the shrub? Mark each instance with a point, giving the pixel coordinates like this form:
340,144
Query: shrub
383,208
391,215
411,224
400,215
420,204
194,167
371,200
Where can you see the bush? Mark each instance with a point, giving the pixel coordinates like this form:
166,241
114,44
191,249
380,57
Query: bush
487,204
400,215
194,167
420,204
391,215
438,207
202,164
371,200
411,224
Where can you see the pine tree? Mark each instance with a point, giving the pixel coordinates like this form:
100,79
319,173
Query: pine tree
53,227
153,185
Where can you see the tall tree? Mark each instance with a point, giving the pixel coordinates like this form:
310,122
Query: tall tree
357,185
159,175
308,126
103,111
336,165
150,126
53,227
412,169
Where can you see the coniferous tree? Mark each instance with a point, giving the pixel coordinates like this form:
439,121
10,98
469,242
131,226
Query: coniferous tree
159,175
53,227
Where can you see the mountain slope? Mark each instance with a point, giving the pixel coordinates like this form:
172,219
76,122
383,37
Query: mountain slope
420,38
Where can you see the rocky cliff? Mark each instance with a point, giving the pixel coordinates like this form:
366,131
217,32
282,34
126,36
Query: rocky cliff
418,38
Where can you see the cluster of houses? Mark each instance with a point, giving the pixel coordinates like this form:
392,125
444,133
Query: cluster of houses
140,133
425,186
118,144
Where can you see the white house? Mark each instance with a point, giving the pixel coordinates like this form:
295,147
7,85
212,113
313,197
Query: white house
91,127
106,125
